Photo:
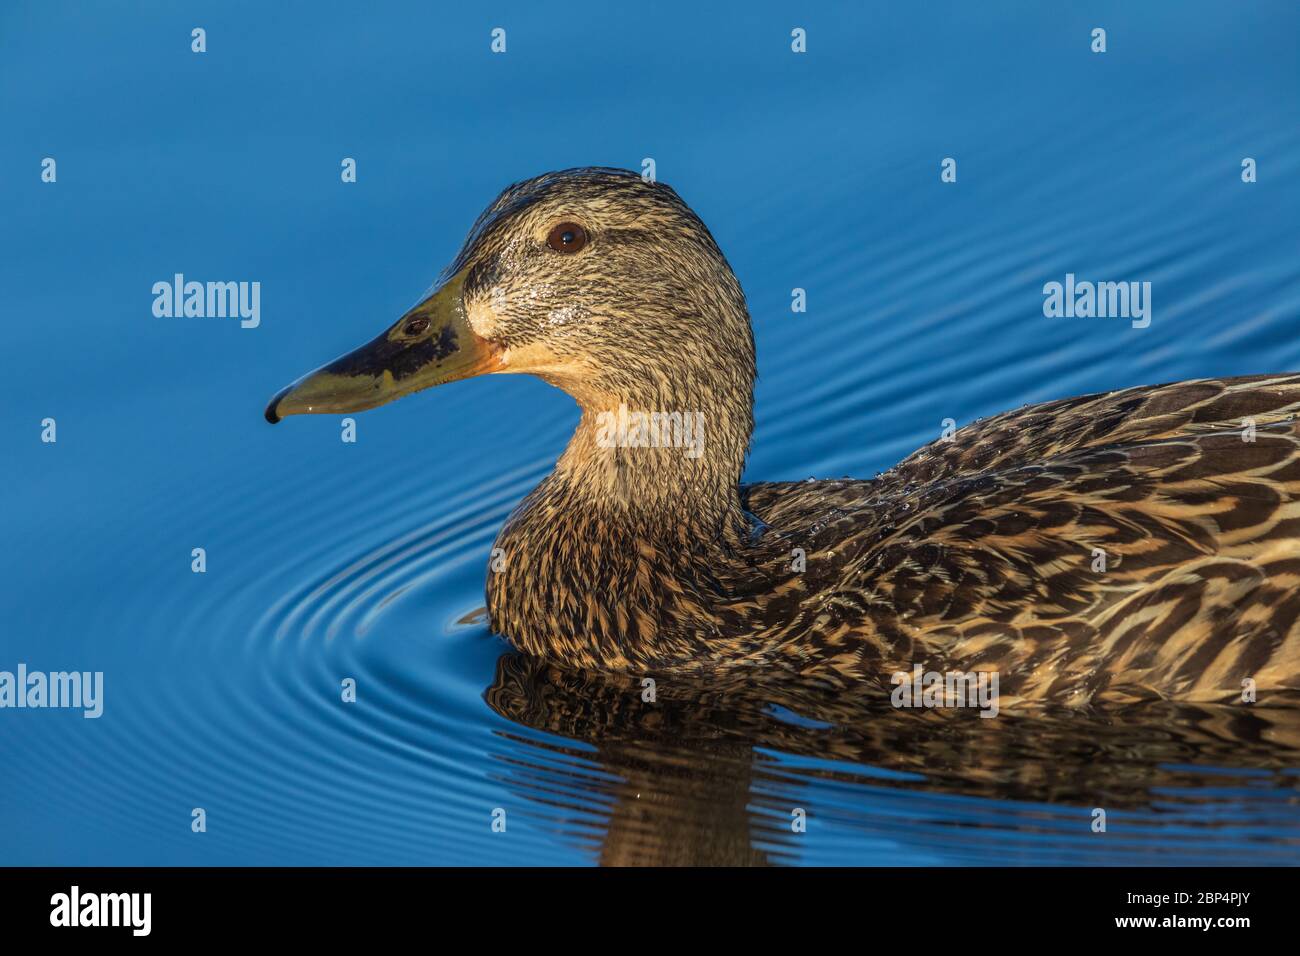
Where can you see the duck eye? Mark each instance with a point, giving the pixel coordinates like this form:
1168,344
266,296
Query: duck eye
417,325
567,237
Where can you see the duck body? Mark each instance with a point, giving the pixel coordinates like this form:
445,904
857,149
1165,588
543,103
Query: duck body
1127,545
1142,543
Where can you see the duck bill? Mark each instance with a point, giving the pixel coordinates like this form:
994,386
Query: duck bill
430,345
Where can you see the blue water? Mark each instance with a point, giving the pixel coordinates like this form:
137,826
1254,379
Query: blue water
328,560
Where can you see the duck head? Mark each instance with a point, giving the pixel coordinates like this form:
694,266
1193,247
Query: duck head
603,284
612,289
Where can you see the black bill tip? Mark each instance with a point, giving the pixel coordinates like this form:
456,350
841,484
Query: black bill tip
272,409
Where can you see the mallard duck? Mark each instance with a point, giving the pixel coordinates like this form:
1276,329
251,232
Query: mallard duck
1134,544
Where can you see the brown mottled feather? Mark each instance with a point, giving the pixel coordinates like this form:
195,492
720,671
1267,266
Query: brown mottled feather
978,552
974,552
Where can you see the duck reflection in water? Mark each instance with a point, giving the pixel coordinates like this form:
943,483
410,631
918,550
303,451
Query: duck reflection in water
695,777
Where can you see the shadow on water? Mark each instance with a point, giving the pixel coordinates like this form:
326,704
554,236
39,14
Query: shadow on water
697,775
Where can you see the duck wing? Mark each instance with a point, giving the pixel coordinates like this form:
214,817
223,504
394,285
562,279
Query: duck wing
1139,543
1144,413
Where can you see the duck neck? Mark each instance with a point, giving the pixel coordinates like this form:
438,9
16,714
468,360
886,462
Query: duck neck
670,459
619,558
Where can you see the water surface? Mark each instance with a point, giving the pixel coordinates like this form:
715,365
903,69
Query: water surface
329,561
